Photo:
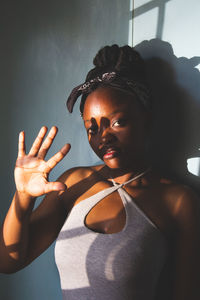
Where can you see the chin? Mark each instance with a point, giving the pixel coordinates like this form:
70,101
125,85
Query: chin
115,164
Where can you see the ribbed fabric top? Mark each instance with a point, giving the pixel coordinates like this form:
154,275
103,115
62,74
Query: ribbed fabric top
119,266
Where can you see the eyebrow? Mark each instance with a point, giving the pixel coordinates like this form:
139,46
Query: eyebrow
111,114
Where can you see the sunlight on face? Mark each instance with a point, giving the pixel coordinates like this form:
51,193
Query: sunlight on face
116,126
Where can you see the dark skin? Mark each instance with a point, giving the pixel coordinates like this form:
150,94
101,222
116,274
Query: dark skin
117,127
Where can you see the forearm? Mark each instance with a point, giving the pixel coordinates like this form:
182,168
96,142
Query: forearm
19,241
187,280
15,233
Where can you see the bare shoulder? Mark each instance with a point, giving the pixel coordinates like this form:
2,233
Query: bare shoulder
77,174
187,206
182,207
182,201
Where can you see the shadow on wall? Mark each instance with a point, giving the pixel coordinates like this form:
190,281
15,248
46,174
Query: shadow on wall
175,85
146,7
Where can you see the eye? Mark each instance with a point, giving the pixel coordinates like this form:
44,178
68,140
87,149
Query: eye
118,123
92,130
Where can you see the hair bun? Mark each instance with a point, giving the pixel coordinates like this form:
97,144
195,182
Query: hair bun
107,56
125,60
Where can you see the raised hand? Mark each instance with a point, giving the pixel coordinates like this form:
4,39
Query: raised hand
31,171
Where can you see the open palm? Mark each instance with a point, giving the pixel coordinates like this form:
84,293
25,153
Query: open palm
31,171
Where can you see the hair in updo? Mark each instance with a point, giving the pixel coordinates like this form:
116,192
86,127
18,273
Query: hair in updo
125,61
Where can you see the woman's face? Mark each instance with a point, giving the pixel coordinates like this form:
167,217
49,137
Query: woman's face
116,125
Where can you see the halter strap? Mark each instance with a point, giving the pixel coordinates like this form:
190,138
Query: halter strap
132,179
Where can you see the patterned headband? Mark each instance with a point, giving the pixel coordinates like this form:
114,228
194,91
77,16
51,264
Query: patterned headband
114,80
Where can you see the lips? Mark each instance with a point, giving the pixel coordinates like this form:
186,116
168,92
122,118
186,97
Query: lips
110,152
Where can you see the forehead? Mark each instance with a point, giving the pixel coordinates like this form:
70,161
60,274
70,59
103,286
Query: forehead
105,100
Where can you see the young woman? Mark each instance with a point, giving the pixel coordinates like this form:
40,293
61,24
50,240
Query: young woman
123,230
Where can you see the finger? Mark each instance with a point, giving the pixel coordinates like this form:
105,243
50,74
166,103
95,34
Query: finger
54,160
47,142
38,141
55,186
21,144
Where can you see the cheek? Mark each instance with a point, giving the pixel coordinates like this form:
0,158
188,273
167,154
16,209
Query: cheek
89,139
132,137
93,143
126,135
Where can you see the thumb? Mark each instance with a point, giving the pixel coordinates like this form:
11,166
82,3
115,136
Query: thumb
55,186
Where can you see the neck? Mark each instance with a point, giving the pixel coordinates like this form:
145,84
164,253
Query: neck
124,175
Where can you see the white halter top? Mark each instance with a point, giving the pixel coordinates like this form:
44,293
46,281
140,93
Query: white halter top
119,266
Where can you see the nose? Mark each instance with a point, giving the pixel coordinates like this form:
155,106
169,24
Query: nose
107,137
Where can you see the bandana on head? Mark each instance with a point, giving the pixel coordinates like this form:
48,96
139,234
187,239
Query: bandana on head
113,80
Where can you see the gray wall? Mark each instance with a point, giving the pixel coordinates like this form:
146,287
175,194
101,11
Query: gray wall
171,49
46,49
